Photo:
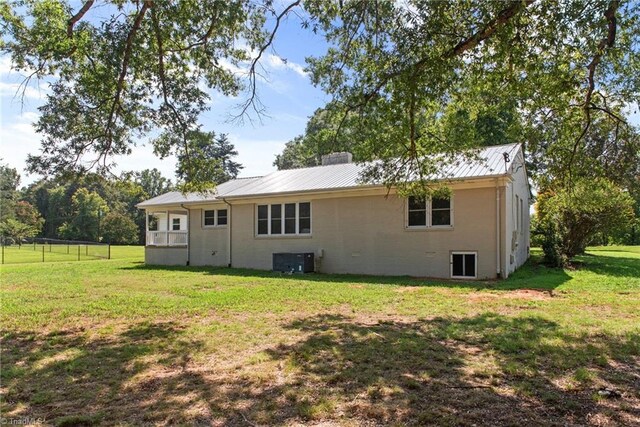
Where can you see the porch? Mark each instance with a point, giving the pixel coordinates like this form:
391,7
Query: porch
167,228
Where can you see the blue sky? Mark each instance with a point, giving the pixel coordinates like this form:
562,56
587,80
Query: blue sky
288,96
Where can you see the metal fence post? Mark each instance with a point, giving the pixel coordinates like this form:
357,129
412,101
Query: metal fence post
78,252
109,251
3,252
42,253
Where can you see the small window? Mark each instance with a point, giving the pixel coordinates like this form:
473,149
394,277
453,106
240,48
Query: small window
175,224
440,212
463,265
304,222
417,212
276,219
222,217
263,219
209,218
290,218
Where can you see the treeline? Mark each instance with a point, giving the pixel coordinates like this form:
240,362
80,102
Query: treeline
90,207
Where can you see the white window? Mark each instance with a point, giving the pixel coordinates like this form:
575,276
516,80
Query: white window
214,217
175,224
435,212
464,265
283,219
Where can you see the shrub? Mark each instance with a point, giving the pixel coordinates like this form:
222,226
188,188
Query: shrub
571,217
119,229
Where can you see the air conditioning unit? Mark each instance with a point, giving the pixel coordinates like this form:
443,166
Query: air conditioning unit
294,262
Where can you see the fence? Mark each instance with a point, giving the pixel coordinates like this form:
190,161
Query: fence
50,250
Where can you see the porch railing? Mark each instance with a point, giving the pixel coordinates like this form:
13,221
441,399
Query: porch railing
167,238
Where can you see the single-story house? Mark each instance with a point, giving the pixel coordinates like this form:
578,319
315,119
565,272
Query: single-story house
480,232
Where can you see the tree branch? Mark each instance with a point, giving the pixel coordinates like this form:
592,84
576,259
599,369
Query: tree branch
492,26
251,102
77,17
125,65
607,42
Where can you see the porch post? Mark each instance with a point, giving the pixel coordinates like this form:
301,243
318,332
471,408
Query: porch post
146,226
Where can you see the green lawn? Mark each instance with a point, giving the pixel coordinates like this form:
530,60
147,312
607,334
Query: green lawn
117,342
30,253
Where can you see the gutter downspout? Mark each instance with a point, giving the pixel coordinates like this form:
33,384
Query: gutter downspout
188,232
230,220
498,229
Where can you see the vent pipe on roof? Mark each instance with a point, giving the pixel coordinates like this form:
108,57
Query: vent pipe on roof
337,158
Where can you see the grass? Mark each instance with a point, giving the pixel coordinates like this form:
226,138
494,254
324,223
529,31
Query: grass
30,253
118,342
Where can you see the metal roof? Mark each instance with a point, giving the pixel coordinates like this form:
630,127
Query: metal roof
478,163
176,197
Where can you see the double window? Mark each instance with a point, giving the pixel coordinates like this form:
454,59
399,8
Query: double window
214,217
434,212
284,219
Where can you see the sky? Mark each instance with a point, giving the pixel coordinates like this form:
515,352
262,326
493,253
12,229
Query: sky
288,95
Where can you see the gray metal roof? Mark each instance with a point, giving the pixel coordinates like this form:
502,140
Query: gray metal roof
176,197
483,162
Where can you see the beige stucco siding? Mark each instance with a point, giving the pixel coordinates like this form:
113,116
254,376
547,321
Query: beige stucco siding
367,235
209,245
517,222
163,255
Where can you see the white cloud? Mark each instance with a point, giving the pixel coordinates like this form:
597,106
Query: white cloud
277,63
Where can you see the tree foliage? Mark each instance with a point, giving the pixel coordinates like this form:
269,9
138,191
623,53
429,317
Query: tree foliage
571,217
125,68
152,182
119,229
414,77
208,161
401,66
15,231
88,209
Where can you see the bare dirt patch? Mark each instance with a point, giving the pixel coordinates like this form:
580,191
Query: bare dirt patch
526,294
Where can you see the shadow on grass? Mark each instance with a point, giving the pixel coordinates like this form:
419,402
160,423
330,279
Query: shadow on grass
487,369
610,266
532,275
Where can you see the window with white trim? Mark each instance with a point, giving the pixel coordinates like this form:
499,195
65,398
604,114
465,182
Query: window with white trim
214,217
175,224
464,265
434,212
284,219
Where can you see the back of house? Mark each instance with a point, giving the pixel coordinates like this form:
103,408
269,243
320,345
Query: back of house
480,232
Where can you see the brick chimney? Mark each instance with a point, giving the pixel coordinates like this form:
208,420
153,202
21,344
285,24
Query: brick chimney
337,158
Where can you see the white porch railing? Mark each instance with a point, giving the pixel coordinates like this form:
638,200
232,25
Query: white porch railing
167,238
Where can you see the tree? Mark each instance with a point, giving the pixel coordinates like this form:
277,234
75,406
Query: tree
29,215
9,182
130,68
570,218
207,162
322,136
396,67
119,229
400,66
88,209
152,182
16,231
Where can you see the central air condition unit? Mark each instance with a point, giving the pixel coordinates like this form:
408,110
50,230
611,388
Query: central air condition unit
294,262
